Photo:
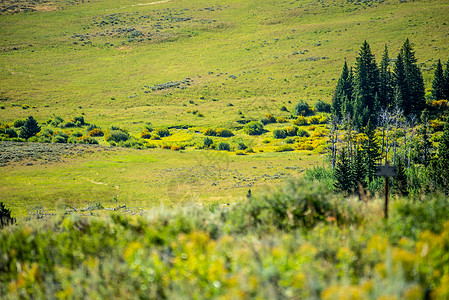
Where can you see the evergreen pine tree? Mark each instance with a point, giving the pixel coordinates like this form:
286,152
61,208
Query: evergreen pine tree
400,85
343,174
358,169
438,88
385,81
366,81
425,147
343,92
415,99
371,149
29,129
400,181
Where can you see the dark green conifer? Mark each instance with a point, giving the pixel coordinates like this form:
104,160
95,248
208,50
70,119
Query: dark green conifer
400,85
385,81
366,82
358,169
371,149
343,92
400,181
29,129
415,98
343,174
438,84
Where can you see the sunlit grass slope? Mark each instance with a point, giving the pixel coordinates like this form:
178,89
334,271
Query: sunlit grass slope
101,58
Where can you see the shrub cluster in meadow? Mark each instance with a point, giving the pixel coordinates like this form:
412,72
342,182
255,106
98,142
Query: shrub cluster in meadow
300,242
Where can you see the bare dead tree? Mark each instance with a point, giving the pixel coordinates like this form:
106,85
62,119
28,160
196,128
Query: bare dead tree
333,127
385,121
397,119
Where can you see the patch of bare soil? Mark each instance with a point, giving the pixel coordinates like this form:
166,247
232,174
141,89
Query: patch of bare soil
33,153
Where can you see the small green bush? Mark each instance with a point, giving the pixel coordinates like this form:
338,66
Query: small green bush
56,121
224,132
241,146
321,106
60,138
10,132
5,216
79,120
303,133
207,142
209,132
162,132
291,130
68,124
302,108
92,126
116,136
284,148
253,128
222,146
279,134
18,123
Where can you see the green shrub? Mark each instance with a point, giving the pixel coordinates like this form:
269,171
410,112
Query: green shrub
303,133
284,148
302,108
253,128
291,130
79,120
60,138
301,120
95,132
241,146
57,120
76,134
18,123
298,204
92,126
10,132
314,120
223,146
209,132
207,142
68,124
5,217
116,136
321,106
162,132
283,108
279,134
146,134
224,132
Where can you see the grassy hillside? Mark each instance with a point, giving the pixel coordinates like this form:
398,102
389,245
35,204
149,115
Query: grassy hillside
101,58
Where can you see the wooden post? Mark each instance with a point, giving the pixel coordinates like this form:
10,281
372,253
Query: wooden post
386,198
386,171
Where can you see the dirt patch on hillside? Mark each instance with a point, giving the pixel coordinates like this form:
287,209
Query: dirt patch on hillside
40,153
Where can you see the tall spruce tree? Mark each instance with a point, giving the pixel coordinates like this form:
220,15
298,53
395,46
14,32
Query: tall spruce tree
400,181
438,84
343,173
415,99
385,81
371,149
343,92
366,84
401,90
29,129
358,169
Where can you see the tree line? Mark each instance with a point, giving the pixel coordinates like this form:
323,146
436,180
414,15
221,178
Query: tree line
380,115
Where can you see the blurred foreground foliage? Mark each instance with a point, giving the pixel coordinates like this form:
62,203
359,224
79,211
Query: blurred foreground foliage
300,242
